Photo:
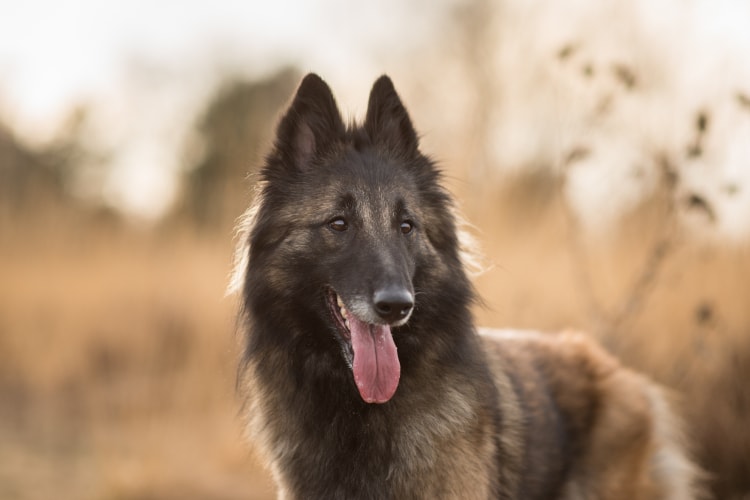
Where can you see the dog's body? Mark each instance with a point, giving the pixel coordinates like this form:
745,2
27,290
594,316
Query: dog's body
363,374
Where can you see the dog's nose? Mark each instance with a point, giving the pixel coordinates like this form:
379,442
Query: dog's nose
393,303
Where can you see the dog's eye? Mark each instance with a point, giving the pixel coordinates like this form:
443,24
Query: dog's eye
339,224
407,226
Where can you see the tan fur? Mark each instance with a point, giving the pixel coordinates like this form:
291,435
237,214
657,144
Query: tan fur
632,448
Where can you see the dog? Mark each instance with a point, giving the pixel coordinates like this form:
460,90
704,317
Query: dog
362,373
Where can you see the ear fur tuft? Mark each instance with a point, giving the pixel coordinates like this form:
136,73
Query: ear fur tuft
310,126
387,121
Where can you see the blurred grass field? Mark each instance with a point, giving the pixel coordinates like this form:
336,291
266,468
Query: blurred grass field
118,351
117,365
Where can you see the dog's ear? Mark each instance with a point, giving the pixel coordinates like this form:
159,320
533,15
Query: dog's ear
310,126
387,121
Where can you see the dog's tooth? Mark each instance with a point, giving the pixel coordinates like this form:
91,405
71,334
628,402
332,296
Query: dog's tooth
339,302
343,313
346,322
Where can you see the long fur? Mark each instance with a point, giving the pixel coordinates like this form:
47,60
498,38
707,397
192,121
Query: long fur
347,215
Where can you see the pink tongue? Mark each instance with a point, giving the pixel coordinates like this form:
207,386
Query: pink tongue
376,367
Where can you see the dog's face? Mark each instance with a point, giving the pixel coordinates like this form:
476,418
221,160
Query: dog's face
367,227
357,216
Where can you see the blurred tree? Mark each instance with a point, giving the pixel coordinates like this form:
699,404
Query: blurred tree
42,183
232,133
26,178
32,182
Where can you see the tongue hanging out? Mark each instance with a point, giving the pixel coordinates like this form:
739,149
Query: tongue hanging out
376,367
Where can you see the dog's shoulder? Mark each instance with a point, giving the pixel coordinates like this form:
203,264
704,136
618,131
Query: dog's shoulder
569,362
617,426
577,375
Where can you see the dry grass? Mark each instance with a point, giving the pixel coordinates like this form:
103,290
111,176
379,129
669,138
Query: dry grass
117,350
117,360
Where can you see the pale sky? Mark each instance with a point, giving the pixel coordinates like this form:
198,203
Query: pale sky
54,55
146,68
54,52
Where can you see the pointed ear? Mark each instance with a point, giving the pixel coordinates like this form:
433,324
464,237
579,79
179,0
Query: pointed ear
387,121
310,126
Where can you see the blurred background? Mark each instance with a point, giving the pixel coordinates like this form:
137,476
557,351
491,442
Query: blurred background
601,150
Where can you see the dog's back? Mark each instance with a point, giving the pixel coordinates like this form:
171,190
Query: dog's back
587,427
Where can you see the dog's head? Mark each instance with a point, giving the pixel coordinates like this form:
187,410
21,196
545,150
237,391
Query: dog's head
351,228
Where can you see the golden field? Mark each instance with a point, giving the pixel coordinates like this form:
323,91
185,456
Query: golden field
117,363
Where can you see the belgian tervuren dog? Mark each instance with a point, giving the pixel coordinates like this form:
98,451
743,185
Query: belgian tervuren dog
363,375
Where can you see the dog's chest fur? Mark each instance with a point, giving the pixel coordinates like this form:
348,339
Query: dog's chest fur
437,444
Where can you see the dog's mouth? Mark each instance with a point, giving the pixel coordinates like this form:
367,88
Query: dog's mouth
369,350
